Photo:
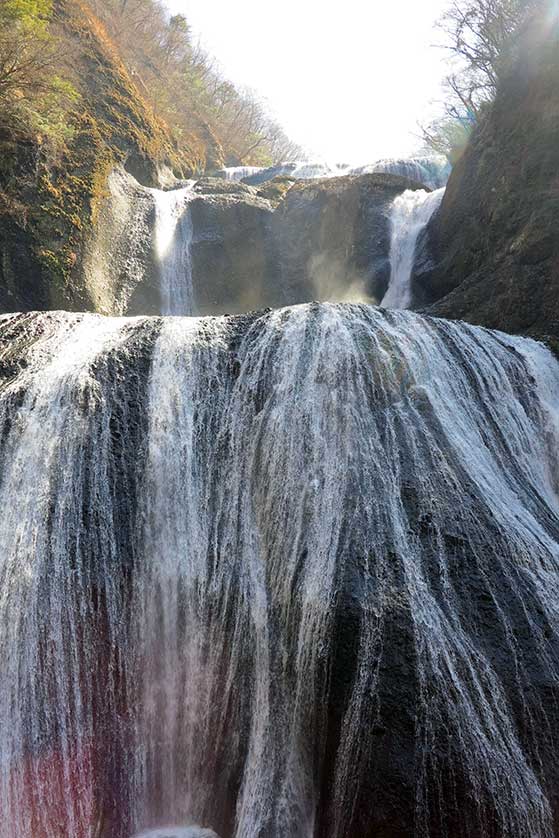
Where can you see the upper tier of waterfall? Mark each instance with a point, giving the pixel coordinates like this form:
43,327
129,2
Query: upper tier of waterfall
432,171
290,574
240,172
411,213
214,246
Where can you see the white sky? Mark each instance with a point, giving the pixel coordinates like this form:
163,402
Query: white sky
349,80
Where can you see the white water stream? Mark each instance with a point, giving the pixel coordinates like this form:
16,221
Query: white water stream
411,212
172,241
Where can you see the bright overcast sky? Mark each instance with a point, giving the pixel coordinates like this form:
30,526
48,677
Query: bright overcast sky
349,80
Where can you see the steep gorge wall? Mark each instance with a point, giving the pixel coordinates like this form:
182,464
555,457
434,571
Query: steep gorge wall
493,255
48,208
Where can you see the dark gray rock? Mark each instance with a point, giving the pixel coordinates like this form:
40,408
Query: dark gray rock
218,186
231,253
332,237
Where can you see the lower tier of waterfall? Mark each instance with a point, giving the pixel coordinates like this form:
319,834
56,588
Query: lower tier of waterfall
290,574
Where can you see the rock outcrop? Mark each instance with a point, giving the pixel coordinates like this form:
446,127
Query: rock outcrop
492,254
232,269
249,248
332,237
291,242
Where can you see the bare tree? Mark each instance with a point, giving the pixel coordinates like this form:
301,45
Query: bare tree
478,35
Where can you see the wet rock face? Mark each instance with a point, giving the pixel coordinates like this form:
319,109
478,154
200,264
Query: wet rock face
492,256
332,237
231,253
291,242
118,272
366,502
22,282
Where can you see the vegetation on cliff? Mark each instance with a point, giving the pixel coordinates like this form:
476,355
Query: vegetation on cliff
185,87
479,38
85,86
36,92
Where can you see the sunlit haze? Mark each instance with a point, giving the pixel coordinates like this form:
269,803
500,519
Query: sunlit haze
348,81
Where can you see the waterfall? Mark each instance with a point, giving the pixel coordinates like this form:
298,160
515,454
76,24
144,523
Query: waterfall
141,246
240,172
432,172
411,212
294,574
60,569
313,170
172,241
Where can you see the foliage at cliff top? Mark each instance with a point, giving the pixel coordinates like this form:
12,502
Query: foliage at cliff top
40,78
36,90
479,39
184,86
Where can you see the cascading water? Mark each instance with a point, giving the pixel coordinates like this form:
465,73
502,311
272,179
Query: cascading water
240,172
411,212
284,575
172,241
60,568
431,171
140,255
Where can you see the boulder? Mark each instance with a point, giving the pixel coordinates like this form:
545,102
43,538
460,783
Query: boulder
219,186
232,267
275,190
